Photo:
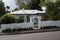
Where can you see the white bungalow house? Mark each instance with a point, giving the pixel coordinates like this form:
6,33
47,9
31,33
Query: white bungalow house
32,18
29,15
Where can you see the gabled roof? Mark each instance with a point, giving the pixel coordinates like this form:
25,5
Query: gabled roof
27,12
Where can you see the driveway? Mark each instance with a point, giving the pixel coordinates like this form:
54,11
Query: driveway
33,36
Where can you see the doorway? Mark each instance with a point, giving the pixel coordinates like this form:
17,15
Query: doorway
36,23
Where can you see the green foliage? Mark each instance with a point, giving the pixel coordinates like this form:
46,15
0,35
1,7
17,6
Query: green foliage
7,9
35,5
53,10
7,18
19,20
7,30
25,6
42,3
16,29
49,27
2,9
30,4
18,2
13,30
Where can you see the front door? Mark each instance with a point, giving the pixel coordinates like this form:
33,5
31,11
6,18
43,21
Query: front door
35,22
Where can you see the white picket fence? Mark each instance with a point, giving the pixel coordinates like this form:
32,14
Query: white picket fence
27,25
49,23
16,25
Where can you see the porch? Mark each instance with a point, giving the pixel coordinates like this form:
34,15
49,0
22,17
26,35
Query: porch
31,19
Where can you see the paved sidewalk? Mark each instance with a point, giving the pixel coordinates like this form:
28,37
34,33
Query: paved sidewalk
33,36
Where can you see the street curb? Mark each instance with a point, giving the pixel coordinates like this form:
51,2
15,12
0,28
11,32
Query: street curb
28,32
23,32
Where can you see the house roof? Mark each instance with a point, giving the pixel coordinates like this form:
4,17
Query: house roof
27,12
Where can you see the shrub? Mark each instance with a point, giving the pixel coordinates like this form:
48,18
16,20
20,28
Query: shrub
7,18
19,29
30,28
49,27
3,30
6,30
13,30
24,29
19,20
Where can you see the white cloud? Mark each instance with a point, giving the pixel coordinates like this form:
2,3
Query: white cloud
10,3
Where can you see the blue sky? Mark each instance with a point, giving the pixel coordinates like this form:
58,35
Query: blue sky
10,3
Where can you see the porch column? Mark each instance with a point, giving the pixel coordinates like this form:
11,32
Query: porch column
25,18
39,21
30,19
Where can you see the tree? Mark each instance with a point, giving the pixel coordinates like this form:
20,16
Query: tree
7,18
29,4
19,20
22,4
2,9
42,3
53,10
18,2
7,9
35,5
